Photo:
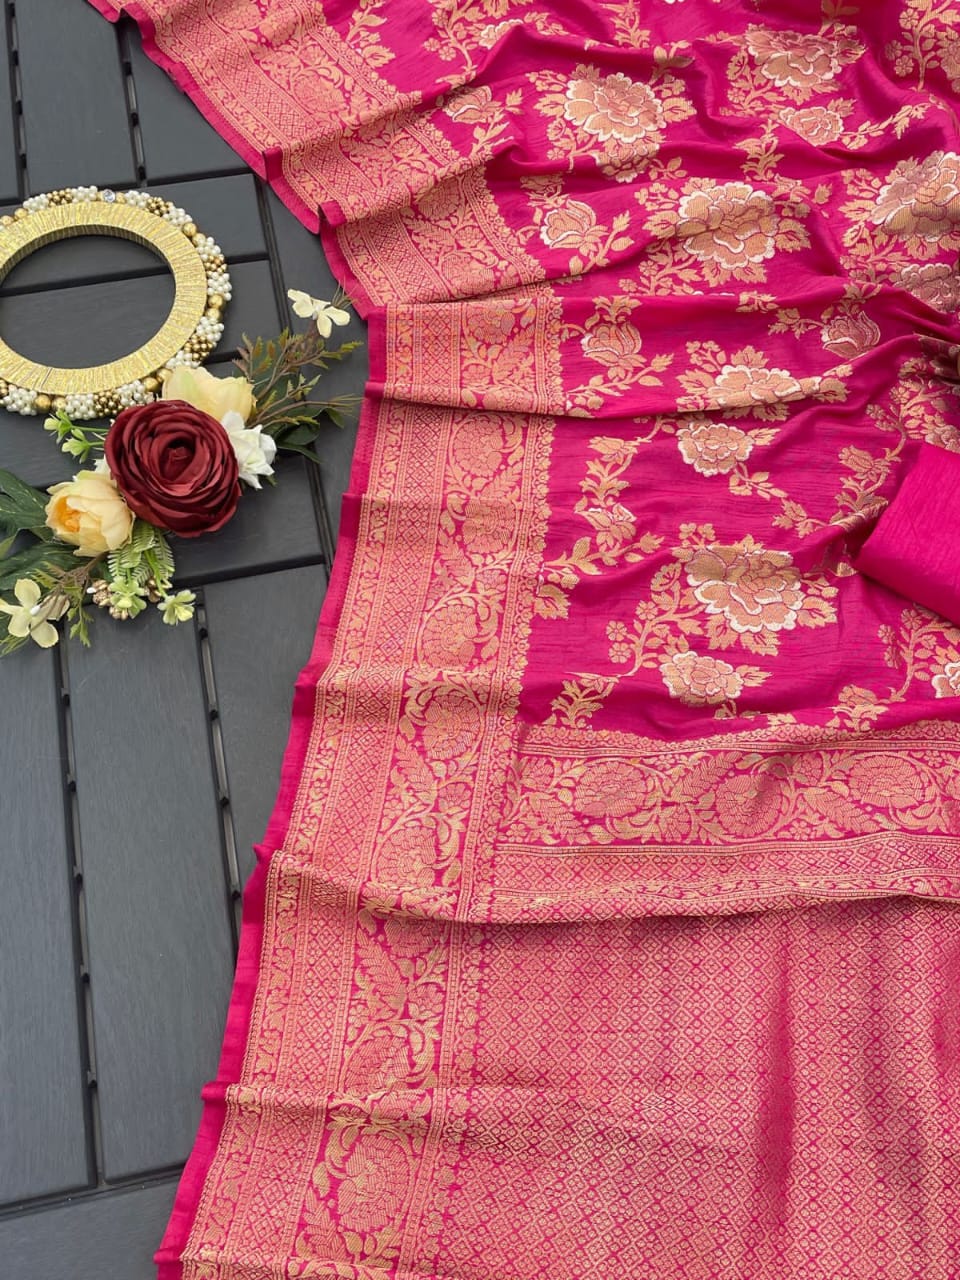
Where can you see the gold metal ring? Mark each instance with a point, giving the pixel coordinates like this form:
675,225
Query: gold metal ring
190,331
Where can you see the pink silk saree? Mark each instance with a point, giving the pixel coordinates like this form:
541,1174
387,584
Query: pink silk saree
607,922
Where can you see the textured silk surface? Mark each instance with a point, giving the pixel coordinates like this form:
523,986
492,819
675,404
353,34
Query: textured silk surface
606,926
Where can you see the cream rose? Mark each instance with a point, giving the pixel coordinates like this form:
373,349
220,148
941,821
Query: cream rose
216,396
89,513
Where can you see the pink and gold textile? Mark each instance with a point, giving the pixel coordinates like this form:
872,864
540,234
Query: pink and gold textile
607,922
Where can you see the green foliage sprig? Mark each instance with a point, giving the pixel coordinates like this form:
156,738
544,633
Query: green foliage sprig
287,407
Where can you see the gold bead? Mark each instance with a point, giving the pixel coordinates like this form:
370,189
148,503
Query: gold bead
215,301
213,313
20,214
43,403
163,374
151,384
59,402
6,220
189,229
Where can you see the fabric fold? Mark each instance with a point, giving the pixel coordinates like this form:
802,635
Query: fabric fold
914,547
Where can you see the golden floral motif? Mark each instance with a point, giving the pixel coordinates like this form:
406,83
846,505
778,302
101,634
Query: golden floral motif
921,198
803,62
849,334
615,528
818,125
617,121
929,45
609,338
743,383
946,683
700,680
752,587
935,283
713,448
571,226
579,699
730,230
614,106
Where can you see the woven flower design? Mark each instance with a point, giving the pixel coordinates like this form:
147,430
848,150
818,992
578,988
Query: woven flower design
616,107
921,198
753,587
699,679
802,60
713,448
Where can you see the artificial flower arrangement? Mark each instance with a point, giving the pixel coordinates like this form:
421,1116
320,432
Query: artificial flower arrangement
175,465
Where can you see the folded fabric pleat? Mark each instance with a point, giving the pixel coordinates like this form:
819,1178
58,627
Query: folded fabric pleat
913,549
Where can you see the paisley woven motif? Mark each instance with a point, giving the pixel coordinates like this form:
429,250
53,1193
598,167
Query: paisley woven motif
606,924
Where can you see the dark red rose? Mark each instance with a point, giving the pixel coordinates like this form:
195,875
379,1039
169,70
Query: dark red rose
175,466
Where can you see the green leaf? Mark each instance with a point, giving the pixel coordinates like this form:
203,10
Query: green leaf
296,448
35,560
22,493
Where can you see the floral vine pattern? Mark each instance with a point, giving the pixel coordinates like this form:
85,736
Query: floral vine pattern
564,224
615,528
707,795
930,42
913,213
612,341
744,384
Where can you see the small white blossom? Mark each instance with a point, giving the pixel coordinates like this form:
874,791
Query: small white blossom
255,451
325,313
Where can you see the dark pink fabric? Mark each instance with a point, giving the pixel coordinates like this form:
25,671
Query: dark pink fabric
915,547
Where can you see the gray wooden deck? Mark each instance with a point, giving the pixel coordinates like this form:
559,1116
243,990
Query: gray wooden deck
135,777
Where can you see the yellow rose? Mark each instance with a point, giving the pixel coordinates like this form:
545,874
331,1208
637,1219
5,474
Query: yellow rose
216,396
89,513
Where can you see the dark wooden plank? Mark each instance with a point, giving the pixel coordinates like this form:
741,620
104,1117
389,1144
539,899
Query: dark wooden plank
26,449
256,663
9,143
81,259
108,1236
304,267
74,105
41,1099
225,208
272,529
253,309
88,324
177,141
158,933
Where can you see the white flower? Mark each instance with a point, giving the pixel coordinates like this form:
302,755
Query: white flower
254,450
325,313
177,608
30,617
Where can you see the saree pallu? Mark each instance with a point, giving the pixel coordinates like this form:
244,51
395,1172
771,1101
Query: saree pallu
607,921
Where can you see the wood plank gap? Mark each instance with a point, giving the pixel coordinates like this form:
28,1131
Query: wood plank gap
203,579
16,103
133,128
164,1176
74,849
136,135
231,867
321,515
